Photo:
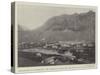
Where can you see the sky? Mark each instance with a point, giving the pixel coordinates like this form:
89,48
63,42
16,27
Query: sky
33,16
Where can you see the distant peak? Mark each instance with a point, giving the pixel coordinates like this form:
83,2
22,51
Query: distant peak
91,12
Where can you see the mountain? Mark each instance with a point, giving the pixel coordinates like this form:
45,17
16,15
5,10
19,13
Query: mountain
63,28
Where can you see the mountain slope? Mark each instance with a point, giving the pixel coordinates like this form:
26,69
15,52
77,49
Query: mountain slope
64,28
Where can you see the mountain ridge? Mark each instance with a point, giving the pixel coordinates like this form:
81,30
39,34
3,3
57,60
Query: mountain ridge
63,28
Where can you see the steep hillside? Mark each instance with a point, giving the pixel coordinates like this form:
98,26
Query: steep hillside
63,28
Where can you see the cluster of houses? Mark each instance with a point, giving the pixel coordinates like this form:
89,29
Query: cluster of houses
74,51
60,45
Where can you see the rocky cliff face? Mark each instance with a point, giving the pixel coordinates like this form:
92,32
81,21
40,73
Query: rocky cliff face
63,28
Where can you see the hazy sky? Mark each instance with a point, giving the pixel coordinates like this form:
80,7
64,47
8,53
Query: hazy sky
32,16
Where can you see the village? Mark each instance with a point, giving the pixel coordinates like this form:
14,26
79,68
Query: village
61,52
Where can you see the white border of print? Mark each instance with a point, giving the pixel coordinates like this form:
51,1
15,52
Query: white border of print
58,67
